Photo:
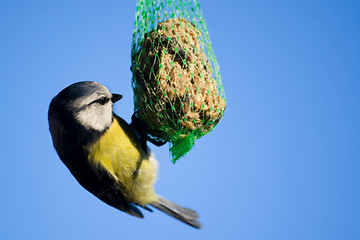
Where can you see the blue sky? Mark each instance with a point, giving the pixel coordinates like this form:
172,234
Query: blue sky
282,164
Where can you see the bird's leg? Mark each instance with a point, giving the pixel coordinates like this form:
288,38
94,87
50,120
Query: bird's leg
157,143
138,125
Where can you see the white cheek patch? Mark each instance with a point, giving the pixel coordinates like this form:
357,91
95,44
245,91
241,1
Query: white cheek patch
96,117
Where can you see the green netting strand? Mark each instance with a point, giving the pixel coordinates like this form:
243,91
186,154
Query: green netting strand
181,146
178,93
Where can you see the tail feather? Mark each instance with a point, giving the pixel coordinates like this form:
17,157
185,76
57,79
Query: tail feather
185,215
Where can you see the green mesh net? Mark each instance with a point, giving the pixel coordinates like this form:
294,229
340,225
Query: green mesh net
176,81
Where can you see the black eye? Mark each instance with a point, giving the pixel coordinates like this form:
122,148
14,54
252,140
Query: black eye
102,100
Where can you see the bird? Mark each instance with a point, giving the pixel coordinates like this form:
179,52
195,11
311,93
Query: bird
105,154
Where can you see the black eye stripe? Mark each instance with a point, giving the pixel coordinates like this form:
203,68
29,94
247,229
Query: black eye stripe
102,100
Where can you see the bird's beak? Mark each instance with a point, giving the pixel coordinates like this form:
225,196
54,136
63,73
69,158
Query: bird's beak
116,97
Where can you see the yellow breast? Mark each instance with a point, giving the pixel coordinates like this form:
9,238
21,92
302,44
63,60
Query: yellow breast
118,151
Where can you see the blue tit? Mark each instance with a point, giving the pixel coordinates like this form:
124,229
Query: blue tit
105,154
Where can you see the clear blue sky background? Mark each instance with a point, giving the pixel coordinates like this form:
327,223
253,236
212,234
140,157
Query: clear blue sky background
284,162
